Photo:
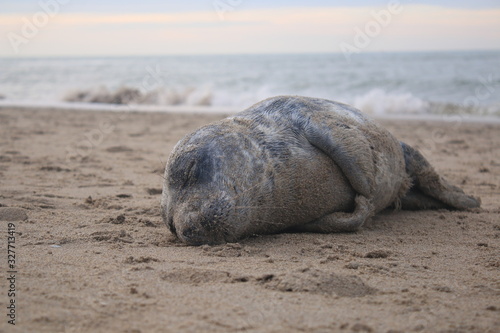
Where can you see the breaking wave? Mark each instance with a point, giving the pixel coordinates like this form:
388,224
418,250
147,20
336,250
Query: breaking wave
129,95
379,102
376,102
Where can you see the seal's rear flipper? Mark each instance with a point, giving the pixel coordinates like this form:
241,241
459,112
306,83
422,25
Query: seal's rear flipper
414,199
340,221
428,185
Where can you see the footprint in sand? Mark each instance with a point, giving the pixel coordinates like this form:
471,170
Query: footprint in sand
196,276
317,282
12,214
306,280
118,149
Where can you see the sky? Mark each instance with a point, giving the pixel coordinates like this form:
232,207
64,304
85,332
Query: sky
119,28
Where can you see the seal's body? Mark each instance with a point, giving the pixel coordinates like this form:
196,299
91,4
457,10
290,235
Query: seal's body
294,162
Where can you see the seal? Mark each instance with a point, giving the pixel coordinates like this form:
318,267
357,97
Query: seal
308,164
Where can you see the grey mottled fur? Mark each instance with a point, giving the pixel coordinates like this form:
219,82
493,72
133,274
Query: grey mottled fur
294,162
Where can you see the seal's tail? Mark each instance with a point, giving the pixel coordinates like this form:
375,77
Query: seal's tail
429,190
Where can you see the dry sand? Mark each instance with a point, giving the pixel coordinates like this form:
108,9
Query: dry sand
94,256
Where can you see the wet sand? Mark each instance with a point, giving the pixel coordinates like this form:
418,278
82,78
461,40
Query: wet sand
92,254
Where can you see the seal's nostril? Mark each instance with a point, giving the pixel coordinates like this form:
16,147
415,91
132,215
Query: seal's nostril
188,233
208,223
193,237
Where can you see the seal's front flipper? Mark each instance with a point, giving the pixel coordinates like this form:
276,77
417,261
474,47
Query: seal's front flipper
340,221
429,183
348,148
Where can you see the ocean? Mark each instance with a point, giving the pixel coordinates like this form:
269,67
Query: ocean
381,84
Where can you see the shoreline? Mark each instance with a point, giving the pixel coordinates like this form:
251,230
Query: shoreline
222,111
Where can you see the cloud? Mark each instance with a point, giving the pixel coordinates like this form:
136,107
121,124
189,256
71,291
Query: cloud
417,27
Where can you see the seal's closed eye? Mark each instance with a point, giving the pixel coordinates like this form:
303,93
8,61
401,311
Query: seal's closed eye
203,169
180,171
192,168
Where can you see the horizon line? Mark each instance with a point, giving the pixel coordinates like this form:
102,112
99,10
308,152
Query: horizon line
73,56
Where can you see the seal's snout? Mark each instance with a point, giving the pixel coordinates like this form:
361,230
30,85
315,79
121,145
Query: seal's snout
204,225
191,236
196,234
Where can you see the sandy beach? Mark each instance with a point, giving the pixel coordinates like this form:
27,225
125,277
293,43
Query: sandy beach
82,189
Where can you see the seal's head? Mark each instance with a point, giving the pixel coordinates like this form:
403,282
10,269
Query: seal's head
208,179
